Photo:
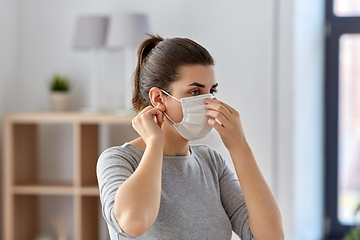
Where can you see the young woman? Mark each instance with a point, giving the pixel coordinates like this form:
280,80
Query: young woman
158,186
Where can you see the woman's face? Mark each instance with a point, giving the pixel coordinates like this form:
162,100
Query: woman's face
194,80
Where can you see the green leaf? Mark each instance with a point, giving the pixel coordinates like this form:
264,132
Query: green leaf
60,83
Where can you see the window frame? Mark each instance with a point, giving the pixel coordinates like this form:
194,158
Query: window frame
336,26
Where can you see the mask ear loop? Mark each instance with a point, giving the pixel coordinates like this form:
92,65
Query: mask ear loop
170,95
169,118
173,98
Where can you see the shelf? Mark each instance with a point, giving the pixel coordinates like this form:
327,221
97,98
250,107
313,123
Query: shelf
89,191
44,189
49,170
54,189
69,117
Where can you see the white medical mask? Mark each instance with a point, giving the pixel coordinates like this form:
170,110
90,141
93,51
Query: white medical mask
194,124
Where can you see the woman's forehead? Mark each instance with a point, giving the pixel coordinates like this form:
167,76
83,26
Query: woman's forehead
200,74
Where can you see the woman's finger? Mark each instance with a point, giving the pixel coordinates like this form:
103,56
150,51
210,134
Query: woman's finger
219,107
159,117
218,127
217,115
148,123
229,108
148,114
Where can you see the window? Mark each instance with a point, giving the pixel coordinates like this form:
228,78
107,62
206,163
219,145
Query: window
349,128
346,8
342,149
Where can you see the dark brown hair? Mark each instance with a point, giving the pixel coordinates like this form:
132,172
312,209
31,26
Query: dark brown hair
159,63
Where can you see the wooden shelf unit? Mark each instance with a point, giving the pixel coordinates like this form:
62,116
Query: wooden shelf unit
22,187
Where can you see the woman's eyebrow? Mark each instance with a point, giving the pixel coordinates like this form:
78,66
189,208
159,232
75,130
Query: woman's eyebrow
202,85
197,84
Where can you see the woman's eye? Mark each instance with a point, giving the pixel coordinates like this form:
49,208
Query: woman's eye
195,92
213,91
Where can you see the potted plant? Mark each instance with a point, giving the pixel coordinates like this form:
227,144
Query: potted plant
354,233
60,93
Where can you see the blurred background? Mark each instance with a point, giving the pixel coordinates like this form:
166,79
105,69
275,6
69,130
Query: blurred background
270,66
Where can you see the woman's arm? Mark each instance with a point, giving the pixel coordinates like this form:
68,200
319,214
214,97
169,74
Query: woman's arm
264,215
137,200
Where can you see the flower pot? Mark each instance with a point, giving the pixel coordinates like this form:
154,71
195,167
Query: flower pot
60,101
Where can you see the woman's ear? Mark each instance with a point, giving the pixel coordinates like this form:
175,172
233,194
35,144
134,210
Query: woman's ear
157,98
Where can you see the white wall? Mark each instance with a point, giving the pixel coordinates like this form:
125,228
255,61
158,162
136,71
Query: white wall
8,57
252,43
308,119
283,110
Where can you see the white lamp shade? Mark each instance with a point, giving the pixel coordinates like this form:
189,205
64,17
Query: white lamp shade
91,31
127,30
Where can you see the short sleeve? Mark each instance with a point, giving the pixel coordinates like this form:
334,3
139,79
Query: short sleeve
232,199
114,166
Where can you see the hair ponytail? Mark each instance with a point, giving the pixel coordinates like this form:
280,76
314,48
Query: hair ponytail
145,48
159,63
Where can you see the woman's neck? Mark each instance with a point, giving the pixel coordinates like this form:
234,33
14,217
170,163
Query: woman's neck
174,144
173,147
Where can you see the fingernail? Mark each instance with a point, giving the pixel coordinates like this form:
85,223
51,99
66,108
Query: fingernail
207,100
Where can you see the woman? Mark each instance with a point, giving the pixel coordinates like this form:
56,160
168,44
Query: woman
159,186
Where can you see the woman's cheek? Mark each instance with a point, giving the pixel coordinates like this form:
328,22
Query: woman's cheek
175,112
178,115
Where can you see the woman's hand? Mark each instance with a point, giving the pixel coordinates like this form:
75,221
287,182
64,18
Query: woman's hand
148,124
228,125
264,215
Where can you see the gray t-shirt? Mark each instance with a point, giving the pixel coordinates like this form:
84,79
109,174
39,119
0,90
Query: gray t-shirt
201,197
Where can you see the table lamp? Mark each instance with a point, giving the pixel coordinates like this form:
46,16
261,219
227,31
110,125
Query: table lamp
126,32
90,34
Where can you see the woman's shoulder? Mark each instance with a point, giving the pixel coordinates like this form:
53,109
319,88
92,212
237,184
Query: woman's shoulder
123,149
204,149
207,153
126,152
